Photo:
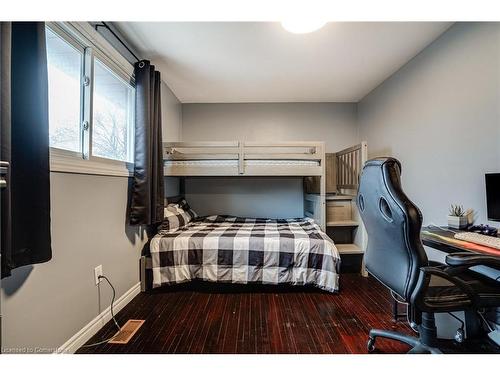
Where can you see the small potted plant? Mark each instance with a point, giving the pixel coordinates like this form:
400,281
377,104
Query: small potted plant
457,218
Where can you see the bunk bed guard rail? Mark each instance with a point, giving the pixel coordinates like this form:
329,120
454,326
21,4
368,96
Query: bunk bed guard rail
244,151
349,164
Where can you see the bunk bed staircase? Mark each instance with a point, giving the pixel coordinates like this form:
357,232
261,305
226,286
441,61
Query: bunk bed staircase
343,222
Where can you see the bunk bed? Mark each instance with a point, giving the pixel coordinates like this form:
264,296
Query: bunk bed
288,159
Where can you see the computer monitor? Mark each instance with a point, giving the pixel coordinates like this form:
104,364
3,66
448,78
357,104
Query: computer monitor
493,196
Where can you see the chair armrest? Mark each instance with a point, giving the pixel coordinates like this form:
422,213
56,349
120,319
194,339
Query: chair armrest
442,273
471,260
423,283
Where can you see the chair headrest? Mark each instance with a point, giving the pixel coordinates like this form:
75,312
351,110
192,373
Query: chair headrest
384,161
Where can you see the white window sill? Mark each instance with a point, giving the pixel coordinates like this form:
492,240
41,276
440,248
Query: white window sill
67,162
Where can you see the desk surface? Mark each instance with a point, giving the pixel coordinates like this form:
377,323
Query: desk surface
444,241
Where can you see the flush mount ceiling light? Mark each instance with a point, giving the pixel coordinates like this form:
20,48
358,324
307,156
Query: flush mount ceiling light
302,26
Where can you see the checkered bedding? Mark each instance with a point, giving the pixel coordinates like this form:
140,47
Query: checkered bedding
239,250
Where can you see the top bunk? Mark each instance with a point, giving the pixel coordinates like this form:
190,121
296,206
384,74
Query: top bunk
236,158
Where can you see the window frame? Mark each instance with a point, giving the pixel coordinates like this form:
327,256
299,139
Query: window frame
59,32
84,38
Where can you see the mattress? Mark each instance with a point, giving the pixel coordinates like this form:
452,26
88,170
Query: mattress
242,250
234,163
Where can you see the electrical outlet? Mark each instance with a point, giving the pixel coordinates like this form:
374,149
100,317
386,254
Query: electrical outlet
97,273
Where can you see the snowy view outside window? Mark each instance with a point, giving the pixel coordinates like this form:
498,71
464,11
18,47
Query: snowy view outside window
64,72
113,103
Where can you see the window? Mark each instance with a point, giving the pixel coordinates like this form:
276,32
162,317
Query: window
91,102
112,115
64,72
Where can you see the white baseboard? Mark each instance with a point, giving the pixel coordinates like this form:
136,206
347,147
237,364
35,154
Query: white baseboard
82,336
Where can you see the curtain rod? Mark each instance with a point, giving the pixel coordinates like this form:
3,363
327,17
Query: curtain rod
105,25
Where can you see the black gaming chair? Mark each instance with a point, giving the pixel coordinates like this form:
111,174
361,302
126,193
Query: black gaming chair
395,256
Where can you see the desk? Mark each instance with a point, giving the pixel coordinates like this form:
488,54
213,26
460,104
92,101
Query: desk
443,240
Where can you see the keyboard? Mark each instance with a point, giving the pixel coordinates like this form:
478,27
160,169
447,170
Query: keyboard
480,239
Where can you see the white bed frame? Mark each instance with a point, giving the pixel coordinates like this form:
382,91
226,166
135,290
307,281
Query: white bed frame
238,158
241,153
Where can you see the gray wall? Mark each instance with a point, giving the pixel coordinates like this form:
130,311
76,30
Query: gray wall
334,123
439,115
45,304
171,110
246,197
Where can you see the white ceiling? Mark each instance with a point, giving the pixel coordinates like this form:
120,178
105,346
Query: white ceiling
207,62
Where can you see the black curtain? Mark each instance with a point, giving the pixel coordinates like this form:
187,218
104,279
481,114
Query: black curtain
147,191
25,202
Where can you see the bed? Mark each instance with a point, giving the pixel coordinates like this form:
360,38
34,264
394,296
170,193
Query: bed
242,250
239,250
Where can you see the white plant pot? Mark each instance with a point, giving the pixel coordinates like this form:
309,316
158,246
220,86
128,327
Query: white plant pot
457,222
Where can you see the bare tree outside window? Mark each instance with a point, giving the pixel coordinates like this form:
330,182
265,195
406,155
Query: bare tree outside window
110,131
112,115
110,135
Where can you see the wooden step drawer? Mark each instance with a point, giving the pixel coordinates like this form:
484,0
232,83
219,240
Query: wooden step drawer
338,210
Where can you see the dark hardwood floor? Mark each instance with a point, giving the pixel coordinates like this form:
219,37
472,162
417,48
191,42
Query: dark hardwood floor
214,318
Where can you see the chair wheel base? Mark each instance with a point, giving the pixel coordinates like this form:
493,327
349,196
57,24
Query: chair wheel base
370,345
414,342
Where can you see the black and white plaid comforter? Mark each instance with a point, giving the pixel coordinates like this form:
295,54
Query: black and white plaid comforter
240,250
